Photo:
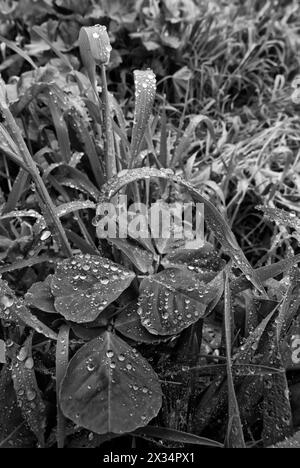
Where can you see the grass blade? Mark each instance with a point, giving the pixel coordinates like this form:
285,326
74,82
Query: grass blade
62,359
235,436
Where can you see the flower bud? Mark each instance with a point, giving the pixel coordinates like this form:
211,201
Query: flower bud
94,45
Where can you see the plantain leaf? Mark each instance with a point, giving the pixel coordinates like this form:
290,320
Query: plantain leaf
110,387
85,285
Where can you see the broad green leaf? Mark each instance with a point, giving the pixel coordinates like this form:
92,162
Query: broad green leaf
128,323
39,296
204,260
173,299
84,285
110,387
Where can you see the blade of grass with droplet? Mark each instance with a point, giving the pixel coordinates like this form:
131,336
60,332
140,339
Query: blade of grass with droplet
174,435
73,178
20,264
281,217
264,273
89,146
18,51
30,165
17,191
108,135
235,436
60,128
27,390
62,360
163,151
145,89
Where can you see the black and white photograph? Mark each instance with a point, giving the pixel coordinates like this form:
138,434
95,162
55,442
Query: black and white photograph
149,227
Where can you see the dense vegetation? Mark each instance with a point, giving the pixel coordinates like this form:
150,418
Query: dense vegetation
144,340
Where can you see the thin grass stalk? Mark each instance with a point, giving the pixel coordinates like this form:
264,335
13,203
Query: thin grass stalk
62,360
34,172
108,140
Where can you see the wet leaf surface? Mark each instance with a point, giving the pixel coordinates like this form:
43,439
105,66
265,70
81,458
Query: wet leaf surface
175,298
86,284
40,296
141,259
128,323
110,387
